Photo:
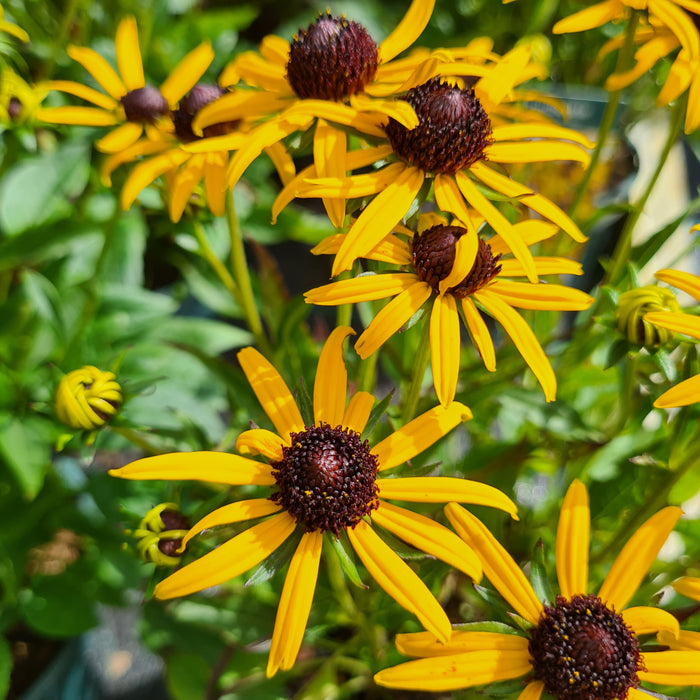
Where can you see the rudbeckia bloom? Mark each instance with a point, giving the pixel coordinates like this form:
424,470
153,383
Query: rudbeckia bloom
665,27
449,149
688,586
430,280
87,398
129,104
687,391
579,646
324,480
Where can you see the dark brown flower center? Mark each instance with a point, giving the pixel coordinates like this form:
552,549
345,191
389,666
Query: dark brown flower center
326,479
332,59
583,650
172,520
434,255
453,131
198,97
144,104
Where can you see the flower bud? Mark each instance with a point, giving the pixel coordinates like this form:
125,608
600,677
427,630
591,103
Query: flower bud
160,534
630,311
87,398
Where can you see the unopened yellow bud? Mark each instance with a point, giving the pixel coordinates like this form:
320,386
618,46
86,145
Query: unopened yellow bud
87,398
160,534
631,308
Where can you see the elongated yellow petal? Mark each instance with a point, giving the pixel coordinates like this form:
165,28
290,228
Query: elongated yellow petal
679,23
215,182
442,489
688,586
524,339
533,691
398,579
686,640
147,171
398,110
424,644
407,30
232,513
120,138
261,442
634,560
531,231
523,295
229,559
445,347
686,281
479,333
671,667
182,183
129,60
331,383
363,288
683,394
82,91
273,394
283,162
497,84
692,114
465,254
217,467
82,116
379,218
419,434
516,132
186,73
355,186
646,620
338,113
499,566
357,412
594,16
397,312
444,673
330,146
428,536
144,147
449,198
99,69
295,603
543,265
675,321
536,151
573,541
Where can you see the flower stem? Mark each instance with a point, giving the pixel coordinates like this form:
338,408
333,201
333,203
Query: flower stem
419,366
216,265
136,438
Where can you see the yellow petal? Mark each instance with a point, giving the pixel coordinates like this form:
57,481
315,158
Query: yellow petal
531,231
646,620
331,383
686,281
120,138
240,104
295,603
543,265
259,441
449,198
283,162
465,255
217,467
524,339
676,321
232,513
229,559
357,412
692,115
688,641
144,147
398,579
182,184
671,667
186,73
445,347
683,394
363,288
499,566
594,16
147,171
82,116
99,69
479,333
330,146
129,60
515,132
82,91
215,182
338,113
428,536
379,218
634,560
442,489
533,691
407,30
425,644
397,312
688,586
495,86
678,21
355,186
390,249
573,541
398,110
536,151
419,434
273,394
524,295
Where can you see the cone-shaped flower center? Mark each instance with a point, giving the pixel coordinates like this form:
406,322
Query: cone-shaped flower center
434,255
332,59
198,97
583,650
326,479
453,131
144,104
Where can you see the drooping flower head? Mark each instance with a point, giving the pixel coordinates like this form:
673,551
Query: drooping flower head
580,646
632,307
326,480
434,278
87,398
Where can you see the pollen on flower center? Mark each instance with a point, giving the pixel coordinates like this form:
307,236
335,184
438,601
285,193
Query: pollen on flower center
583,650
326,478
144,104
453,132
332,59
434,255
198,97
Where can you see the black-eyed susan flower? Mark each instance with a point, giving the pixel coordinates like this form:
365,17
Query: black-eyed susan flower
324,480
127,103
579,646
430,279
160,534
11,28
665,27
688,586
688,391
87,398
332,75
632,307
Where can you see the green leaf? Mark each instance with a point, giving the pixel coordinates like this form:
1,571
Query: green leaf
377,412
125,244
276,561
186,675
304,402
538,574
343,549
206,335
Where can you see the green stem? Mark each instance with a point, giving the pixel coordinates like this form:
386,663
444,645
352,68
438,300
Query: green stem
137,439
623,248
216,265
421,362
623,61
241,273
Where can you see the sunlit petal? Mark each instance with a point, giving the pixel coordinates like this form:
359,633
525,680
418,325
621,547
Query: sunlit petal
146,172
358,410
479,333
686,281
331,383
683,394
573,541
83,116
445,347
465,254
646,620
424,644
515,132
120,138
536,151
186,73
686,640
533,691
407,30
261,442
99,69
80,90
688,586
330,146
671,667
363,288
523,295
129,54
596,15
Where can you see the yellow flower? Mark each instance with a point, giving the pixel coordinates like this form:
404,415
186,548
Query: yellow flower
668,25
459,130
432,279
687,391
160,534
632,307
579,646
12,29
690,587
332,75
129,104
324,480
87,398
